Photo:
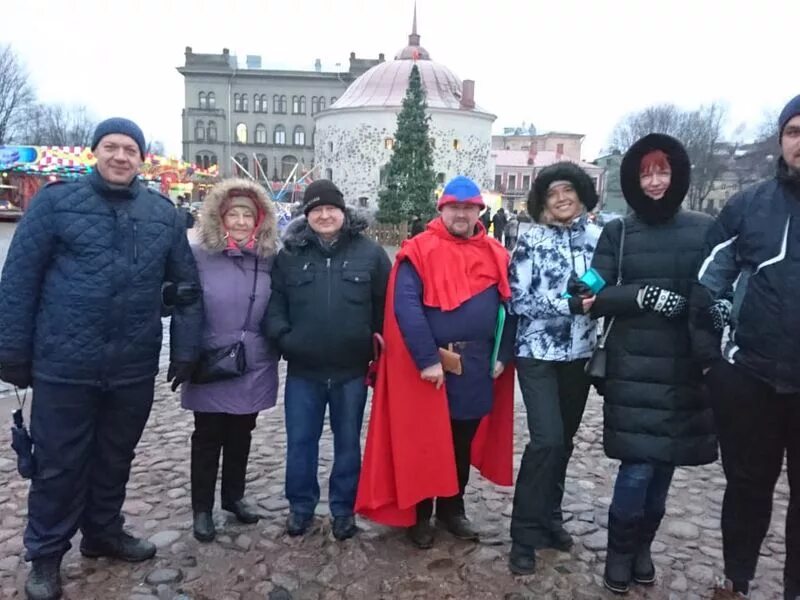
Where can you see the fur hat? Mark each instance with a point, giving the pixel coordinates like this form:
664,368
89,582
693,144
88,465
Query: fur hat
461,190
122,126
561,171
322,192
212,231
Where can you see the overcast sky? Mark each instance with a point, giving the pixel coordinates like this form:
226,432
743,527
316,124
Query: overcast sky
565,65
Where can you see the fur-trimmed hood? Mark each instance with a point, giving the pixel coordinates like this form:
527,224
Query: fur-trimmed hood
647,209
298,232
212,231
567,171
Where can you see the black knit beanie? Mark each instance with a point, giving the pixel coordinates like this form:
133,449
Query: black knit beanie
322,192
792,109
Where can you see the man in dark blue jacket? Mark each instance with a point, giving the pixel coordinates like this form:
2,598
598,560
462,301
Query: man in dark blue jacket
752,274
80,306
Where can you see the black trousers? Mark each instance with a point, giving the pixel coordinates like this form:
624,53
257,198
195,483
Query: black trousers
84,440
463,433
215,433
555,395
756,427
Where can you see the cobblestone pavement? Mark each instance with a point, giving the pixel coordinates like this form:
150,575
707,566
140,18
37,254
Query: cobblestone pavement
260,561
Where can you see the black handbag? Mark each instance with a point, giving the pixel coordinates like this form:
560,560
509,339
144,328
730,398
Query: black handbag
596,365
228,362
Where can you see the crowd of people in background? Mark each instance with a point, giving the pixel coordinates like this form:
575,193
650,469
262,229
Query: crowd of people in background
638,309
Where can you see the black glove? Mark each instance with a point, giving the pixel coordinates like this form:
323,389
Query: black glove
575,287
18,375
664,302
179,372
576,305
180,294
720,313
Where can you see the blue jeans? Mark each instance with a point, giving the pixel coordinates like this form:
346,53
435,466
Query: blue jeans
305,402
640,491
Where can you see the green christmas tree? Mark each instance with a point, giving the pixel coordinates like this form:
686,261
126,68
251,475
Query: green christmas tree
410,179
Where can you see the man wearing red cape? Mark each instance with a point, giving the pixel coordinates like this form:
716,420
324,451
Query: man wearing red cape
427,425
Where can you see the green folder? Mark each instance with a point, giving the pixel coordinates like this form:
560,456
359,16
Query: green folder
498,336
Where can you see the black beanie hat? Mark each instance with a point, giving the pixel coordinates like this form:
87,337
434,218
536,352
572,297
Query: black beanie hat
792,109
122,126
322,192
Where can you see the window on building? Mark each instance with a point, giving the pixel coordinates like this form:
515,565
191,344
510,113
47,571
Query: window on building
198,160
456,144
261,134
299,136
283,105
498,182
333,100
262,162
314,105
298,105
363,202
242,166
287,165
201,100
440,178
212,131
512,183
199,131
526,182
205,159
279,136
330,146
388,143
559,148
383,175
322,103
241,133
213,159
237,103
329,174
276,103
212,100
302,105
256,103
245,103
264,102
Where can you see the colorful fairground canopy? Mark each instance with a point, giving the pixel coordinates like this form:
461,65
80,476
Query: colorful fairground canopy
71,161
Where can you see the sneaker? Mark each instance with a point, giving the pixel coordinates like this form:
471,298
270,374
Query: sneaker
44,579
297,525
727,590
460,527
122,547
521,560
421,534
204,530
344,527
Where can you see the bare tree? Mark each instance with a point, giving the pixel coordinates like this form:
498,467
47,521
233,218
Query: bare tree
16,93
699,130
56,125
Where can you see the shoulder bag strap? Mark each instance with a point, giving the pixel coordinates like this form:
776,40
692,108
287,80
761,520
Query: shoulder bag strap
252,299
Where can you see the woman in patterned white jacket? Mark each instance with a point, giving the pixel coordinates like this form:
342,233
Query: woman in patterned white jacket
555,338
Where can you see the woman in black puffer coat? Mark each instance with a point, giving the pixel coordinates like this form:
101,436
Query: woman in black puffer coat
655,416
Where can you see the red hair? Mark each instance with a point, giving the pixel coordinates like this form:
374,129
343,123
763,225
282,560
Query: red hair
655,159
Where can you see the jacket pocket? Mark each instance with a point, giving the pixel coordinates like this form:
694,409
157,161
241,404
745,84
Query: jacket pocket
356,286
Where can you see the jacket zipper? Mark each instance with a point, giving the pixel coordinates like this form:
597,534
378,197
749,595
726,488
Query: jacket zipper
328,263
135,244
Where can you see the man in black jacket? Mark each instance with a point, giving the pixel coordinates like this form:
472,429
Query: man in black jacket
80,307
328,293
752,275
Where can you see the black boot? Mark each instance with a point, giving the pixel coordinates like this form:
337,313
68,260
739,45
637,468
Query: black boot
791,589
622,542
644,571
244,514
204,530
344,527
421,534
123,546
459,526
522,560
297,525
44,579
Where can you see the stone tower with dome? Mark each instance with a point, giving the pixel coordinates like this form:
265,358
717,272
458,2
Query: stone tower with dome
354,138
